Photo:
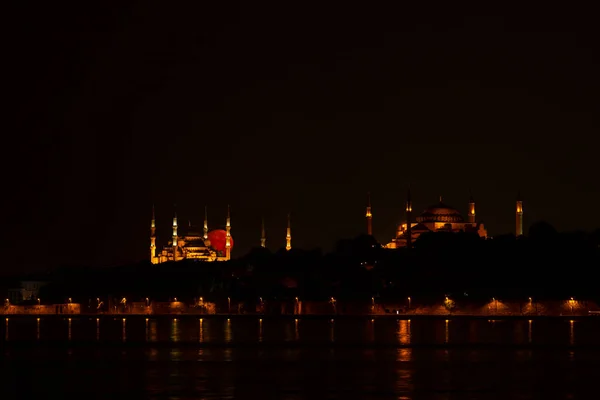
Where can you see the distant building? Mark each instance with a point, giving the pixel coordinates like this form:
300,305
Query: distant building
215,245
440,218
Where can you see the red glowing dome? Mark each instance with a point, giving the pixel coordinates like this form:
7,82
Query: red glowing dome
218,239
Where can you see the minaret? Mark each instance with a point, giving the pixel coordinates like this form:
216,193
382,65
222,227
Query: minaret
228,236
175,238
471,209
369,216
288,236
263,236
205,237
153,238
519,227
408,220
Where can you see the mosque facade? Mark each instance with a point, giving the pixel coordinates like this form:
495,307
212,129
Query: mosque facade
439,217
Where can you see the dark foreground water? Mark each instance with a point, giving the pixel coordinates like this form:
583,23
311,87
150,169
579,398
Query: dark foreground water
253,358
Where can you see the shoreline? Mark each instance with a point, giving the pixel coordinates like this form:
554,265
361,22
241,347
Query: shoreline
306,316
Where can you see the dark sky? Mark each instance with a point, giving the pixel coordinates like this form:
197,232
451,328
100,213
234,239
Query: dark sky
283,109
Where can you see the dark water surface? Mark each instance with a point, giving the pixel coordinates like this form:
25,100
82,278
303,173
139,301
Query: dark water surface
254,358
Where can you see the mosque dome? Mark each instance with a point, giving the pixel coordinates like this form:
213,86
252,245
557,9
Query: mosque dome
441,213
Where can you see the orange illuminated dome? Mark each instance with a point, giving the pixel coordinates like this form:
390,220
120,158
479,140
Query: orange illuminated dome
218,240
440,213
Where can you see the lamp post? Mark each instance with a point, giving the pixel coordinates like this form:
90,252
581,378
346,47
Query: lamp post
571,302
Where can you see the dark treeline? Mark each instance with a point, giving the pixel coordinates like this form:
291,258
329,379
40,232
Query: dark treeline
545,264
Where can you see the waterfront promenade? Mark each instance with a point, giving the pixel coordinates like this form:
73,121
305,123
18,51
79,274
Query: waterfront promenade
333,307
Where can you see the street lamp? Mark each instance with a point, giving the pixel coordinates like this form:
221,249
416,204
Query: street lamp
571,302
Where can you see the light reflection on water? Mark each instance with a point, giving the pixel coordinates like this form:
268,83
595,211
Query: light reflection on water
214,357
332,331
260,330
404,335
371,330
451,332
228,339
201,331
175,331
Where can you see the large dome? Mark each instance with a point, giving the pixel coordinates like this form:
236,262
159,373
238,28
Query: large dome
441,213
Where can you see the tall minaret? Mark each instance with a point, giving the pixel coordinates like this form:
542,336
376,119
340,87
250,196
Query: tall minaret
175,237
369,216
153,238
519,226
288,236
228,236
205,236
263,236
471,209
408,220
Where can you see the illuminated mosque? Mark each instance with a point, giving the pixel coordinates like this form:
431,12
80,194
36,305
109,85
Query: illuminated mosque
216,245
205,245
439,218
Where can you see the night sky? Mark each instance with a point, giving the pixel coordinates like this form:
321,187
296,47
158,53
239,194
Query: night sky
283,109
